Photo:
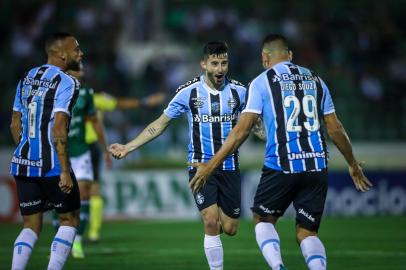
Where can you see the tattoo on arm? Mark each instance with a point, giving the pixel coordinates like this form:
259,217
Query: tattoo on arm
152,131
60,144
259,129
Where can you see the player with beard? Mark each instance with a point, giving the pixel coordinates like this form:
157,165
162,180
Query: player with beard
212,103
43,104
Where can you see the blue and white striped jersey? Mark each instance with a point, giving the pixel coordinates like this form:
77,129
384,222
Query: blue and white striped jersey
211,115
42,91
292,101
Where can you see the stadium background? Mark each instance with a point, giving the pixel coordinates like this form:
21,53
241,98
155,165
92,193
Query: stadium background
135,48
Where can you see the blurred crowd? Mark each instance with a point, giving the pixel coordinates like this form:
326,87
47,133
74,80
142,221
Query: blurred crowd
140,47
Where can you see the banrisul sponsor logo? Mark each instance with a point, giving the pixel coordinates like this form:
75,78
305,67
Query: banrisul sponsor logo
40,83
205,118
294,77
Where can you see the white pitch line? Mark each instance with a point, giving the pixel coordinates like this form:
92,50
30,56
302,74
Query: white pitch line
175,251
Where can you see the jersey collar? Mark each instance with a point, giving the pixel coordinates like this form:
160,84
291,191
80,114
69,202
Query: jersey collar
211,90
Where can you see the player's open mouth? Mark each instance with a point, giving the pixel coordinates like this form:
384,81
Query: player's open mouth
219,76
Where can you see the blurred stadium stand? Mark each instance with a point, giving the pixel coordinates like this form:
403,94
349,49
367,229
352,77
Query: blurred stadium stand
138,47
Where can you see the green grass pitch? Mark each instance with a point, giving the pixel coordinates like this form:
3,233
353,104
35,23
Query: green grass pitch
372,243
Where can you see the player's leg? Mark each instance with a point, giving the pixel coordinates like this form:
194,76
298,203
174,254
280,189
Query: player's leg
82,167
67,206
229,201
31,203
309,205
273,196
206,202
213,247
96,200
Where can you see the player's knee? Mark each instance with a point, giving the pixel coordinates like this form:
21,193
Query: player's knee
210,223
230,229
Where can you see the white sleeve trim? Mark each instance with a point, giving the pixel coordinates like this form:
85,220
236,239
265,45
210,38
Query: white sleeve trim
251,111
16,109
330,111
170,116
61,110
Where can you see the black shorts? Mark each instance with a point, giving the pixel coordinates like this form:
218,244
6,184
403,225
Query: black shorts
39,194
307,190
224,189
95,154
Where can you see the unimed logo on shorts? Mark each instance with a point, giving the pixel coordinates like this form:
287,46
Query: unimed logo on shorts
307,215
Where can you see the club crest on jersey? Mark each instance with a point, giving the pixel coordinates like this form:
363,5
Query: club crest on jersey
199,198
215,107
232,103
198,102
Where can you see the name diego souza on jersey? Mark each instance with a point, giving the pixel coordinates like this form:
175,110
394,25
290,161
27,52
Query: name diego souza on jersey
303,154
27,162
205,118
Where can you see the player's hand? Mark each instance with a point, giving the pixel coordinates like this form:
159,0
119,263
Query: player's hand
203,172
360,181
65,183
107,159
118,151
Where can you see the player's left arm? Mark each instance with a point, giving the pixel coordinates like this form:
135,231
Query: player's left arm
340,138
16,126
234,139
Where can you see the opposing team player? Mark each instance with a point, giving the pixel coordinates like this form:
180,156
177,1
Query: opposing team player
293,102
79,153
212,103
43,104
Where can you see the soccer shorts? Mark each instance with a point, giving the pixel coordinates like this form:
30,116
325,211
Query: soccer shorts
224,189
95,155
39,194
307,190
82,167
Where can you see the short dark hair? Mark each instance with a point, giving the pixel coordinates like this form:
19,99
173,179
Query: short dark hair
273,37
54,37
215,47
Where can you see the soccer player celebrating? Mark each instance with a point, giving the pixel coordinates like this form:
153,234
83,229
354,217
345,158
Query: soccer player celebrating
293,102
79,153
212,103
43,104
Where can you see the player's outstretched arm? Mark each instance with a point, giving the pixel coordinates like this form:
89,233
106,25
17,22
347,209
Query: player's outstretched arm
60,141
152,131
340,138
15,126
234,139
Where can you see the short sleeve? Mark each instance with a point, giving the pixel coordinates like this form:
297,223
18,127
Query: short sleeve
17,100
327,105
254,100
66,95
178,105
